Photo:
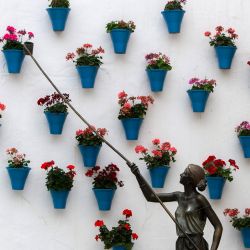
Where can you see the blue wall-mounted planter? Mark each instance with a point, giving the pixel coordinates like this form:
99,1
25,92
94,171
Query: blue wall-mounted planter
120,38
225,56
56,122
59,198
156,79
18,177
245,144
245,232
89,155
215,187
132,127
104,198
173,19
58,17
158,176
14,59
198,99
87,75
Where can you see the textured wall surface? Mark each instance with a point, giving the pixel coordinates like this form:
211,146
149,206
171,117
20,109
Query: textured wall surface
27,219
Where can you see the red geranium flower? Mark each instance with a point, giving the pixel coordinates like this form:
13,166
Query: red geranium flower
99,223
127,213
134,236
70,167
127,227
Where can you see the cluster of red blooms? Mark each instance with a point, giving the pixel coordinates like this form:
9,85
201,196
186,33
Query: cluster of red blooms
50,100
14,35
234,212
161,149
153,58
50,164
106,176
220,29
86,49
127,103
213,165
127,213
89,132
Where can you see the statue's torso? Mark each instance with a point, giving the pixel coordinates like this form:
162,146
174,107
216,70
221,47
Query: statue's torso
190,215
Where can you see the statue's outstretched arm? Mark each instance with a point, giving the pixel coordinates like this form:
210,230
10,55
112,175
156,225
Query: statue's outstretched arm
213,218
147,190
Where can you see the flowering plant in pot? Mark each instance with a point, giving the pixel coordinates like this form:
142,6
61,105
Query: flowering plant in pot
173,15
240,223
120,33
2,108
132,112
224,43
18,169
243,132
105,183
158,161
217,172
120,237
199,92
13,48
158,65
87,63
90,144
59,183
58,12
55,111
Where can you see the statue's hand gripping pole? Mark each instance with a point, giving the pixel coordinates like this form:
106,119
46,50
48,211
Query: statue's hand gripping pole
131,165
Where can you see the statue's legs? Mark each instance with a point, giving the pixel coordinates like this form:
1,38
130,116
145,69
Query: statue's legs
183,243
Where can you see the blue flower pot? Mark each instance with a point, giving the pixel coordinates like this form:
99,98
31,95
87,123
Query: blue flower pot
59,198
245,232
173,19
156,79
104,198
245,144
89,155
198,99
158,176
119,248
215,187
225,56
87,75
132,127
58,17
120,39
56,122
18,177
14,59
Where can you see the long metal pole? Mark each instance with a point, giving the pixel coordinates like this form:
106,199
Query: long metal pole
129,163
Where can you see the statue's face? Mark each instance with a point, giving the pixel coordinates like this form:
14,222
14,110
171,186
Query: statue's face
185,177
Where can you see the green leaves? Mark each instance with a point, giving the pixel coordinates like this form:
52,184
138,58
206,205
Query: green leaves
240,223
90,60
13,45
120,25
59,4
58,180
57,108
222,40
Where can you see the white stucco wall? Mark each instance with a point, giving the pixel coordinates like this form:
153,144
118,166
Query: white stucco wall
27,219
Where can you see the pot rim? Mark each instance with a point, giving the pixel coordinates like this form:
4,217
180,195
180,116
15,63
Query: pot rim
164,11
22,168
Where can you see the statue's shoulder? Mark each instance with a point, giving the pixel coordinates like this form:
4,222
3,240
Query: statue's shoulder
203,200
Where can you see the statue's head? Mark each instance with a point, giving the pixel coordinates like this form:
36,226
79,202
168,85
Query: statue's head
194,175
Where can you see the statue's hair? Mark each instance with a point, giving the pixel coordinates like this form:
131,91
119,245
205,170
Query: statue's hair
198,175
